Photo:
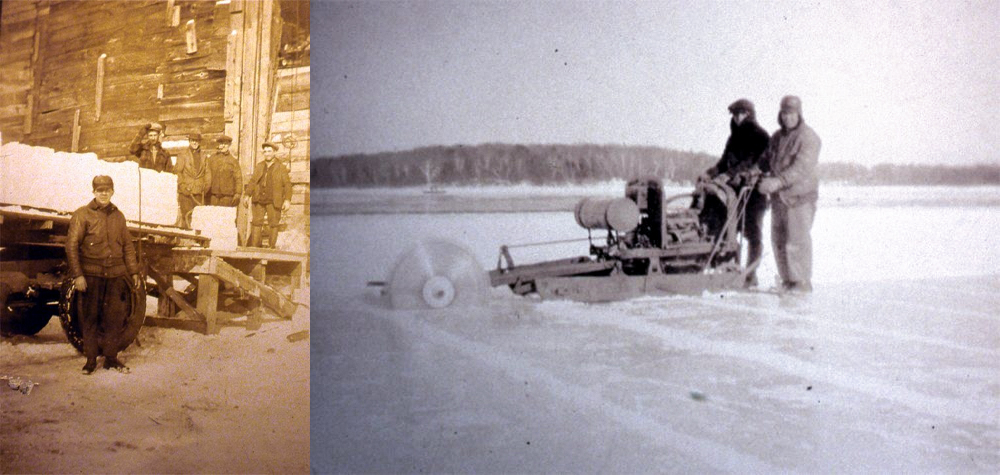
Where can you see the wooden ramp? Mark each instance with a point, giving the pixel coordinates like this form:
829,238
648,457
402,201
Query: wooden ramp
226,285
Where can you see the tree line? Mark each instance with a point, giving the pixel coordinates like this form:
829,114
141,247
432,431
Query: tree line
497,164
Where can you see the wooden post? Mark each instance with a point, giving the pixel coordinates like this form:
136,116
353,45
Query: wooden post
208,301
191,37
76,132
170,13
159,92
175,17
99,94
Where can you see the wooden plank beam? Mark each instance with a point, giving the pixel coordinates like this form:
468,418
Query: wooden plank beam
272,299
208,301
75,146
99,93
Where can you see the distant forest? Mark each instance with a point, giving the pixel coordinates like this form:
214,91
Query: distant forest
578,164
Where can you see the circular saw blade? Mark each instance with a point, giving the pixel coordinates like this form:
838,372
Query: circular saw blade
437,273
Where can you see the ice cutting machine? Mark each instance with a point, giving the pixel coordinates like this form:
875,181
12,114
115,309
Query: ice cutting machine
684,244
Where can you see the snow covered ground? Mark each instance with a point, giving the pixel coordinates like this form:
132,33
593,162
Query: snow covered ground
891,365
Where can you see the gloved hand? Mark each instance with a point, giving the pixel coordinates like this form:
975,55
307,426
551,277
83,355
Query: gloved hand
80,283
135,280
768,185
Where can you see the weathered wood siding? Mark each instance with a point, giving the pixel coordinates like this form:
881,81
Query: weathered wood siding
290,127
148,73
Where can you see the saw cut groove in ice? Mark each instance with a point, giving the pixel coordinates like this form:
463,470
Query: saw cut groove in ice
61,181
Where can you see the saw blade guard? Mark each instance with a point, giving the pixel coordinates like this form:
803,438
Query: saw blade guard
437,273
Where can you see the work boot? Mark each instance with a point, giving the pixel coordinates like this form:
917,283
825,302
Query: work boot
112,362
90,366
797,287
272,239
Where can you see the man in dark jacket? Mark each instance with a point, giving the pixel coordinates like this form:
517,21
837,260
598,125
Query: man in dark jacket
270,192
101,258
193,178
794,188
741,159
227,177
148,150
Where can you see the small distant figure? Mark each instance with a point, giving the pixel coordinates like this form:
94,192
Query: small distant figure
227,177
101,260
270,193
741,160
193,179
793,186
148,149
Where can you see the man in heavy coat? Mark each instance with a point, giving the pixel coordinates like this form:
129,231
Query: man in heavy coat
741,159
148,150
270,192
794,188
227,176
193,179
101,258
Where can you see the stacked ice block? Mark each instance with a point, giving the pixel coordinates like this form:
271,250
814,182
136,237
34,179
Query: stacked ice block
44,178
218,223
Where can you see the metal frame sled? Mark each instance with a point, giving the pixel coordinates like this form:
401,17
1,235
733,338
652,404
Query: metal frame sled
651,247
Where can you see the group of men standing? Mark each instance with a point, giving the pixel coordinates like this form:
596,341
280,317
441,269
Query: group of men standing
786,164
217,180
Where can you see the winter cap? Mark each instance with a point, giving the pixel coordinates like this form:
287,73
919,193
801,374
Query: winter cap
224,139
791,103
269,144
102,182
195,137
742,105
156,126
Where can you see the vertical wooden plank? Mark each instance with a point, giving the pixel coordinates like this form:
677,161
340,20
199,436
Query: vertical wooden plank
99,94
32,73
75,146
208,301
191,37
170,13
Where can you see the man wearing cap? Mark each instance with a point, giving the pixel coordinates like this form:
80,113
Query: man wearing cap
270,192
148,150
793,186
742,159
101,258
193,179
227,177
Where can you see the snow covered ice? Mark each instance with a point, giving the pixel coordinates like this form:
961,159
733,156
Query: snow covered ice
891,365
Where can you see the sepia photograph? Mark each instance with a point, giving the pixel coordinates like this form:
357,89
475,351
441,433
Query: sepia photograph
655,237
154,236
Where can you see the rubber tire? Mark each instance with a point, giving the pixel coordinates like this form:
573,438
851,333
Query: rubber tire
71,323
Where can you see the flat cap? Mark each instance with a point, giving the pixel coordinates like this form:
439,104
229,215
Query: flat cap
224,139
156,126
743,105
195,136
103,182
269,144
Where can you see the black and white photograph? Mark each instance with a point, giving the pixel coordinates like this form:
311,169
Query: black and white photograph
656,237
154,236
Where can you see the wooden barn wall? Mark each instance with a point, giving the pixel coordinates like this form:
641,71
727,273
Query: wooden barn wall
290,127
148,73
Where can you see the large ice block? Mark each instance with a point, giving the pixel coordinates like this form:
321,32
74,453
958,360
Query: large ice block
218,223
44,178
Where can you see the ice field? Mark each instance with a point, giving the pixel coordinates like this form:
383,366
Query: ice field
891,365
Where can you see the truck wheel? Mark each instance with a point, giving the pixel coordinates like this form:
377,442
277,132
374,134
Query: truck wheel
20,315
70,319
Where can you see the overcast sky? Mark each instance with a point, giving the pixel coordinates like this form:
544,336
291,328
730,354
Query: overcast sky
902,82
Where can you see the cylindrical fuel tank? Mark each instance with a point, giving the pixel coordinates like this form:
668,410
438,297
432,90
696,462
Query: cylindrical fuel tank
619,214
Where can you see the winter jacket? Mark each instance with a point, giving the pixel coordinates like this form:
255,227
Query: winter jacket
192,178
744,149
142,149
792,157
99,243
270,184
227,177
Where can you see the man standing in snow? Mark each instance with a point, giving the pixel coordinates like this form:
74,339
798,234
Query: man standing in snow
148,150
193,178
793,186
741,159
227,177
101,258
270,192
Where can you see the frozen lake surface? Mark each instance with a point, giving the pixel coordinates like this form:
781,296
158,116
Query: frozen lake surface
891,365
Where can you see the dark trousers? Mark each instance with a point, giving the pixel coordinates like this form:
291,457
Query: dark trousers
103,311
273,215
186,203
753,224
790,226
222,200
